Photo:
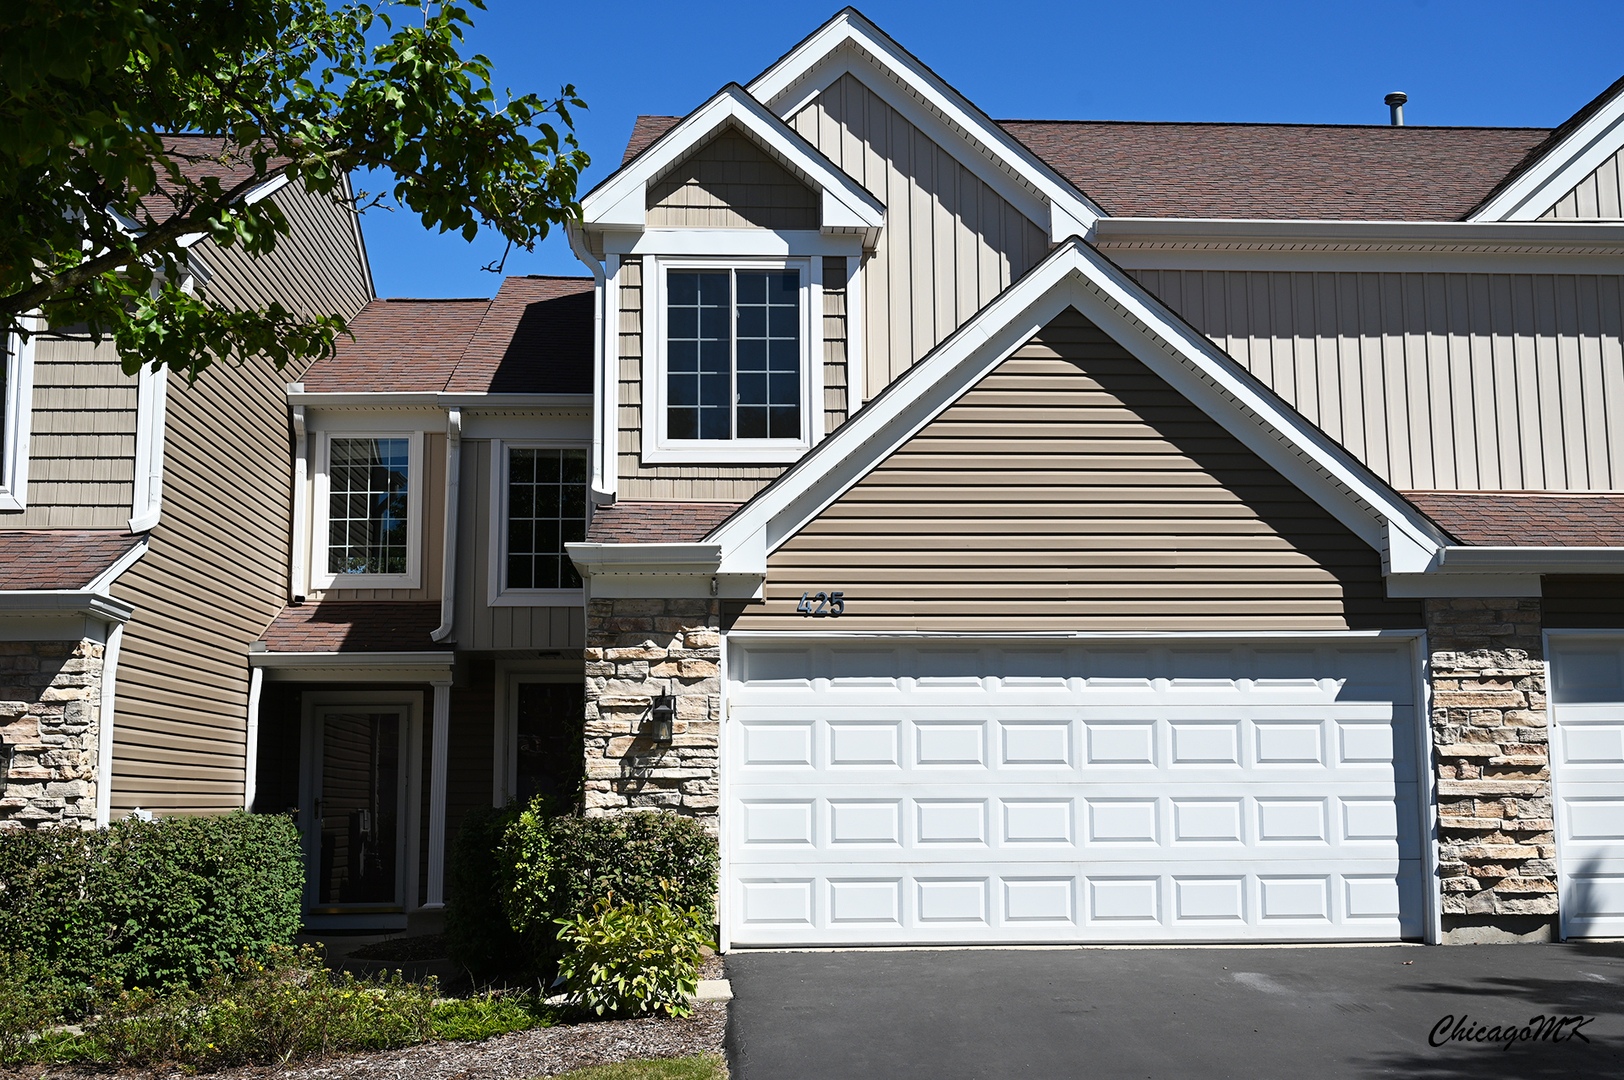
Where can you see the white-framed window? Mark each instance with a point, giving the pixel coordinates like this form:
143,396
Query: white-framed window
367,524
17,397
540,717
730,368
540,497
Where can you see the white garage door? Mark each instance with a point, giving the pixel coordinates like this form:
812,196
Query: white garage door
1587,693
891,791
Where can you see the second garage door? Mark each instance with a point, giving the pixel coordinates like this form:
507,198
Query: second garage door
900,790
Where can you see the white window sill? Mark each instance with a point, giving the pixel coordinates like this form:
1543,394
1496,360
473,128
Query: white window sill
777,452
539,597
366,581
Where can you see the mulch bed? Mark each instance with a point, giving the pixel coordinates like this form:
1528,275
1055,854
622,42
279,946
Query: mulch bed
403,949
537,1052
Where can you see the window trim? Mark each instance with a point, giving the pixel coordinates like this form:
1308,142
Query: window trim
320,577
658,448
505,748
19,406
497,592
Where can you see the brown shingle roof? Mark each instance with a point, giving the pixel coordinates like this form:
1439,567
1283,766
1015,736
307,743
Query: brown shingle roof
200,156
59,558
1526,519
657,522
401,345
536,338
1281,171
355,627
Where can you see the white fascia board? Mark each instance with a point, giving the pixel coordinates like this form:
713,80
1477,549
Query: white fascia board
64,602
594,559
733,243
353,666
823,57
1533,560
1438,586
298,395
104,580
620,202
1560,168
1076,276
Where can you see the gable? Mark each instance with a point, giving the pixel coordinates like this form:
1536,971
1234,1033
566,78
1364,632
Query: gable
950,243
1595,198
1073,489
730,183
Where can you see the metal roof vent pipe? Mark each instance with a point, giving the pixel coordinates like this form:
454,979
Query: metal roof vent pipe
1395,102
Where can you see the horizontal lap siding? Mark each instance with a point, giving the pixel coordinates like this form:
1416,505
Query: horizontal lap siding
950,243
81,447
217,570
1598,197
1436,381
1072,489
730,183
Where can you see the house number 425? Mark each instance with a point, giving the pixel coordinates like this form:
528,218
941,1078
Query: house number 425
822,603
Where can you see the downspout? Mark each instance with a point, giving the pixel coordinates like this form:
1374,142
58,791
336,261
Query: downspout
104,727
605,403
301,501
453,479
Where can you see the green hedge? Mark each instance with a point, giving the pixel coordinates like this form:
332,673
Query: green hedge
514,872
147,903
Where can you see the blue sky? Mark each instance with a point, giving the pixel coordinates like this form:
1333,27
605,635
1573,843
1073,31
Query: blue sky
1486,62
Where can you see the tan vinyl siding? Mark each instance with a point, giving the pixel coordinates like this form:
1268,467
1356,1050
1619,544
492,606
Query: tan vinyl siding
731,483
479,625
81,448
431,544
731,183
1436,381
950,243
1072,489
835,408
1598,197
217,570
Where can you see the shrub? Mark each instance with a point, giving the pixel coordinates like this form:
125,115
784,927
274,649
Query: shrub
30,1000
626,958
144,903
477,933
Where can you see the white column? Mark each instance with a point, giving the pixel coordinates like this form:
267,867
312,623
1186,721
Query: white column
250,774
438,746
104,726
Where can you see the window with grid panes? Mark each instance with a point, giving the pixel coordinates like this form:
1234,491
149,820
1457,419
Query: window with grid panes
368,500
733,354
546,509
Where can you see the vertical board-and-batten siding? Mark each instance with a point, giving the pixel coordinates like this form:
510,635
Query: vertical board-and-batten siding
217,570
1436,381
81,449
731,183
1598,197
950,243
1073,489
478,625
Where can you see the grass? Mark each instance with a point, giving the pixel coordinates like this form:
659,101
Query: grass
697,1067
492,1014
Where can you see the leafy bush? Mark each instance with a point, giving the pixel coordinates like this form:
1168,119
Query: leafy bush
477,933
145,903
30,1000
626,958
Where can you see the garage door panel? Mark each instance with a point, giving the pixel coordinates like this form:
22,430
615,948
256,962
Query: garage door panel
1587,765
1213,792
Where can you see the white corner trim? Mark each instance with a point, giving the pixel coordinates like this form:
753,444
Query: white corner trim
250,774
299,570
104,726
1560,168
453,484
831,51
152,397
1074,275
620,202
19,419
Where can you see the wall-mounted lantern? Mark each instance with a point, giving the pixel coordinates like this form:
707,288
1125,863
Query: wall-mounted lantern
662,714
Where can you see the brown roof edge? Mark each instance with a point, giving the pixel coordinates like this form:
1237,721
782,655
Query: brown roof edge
1534,519
1560,132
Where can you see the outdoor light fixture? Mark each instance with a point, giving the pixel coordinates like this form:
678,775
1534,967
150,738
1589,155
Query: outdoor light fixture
661,714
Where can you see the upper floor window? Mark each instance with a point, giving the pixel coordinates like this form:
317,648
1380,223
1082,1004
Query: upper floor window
368,510
543,495
731,376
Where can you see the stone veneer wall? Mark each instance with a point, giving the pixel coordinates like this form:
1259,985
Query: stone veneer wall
635,650
1497,843
50,710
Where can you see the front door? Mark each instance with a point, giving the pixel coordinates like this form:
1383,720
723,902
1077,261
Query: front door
356,814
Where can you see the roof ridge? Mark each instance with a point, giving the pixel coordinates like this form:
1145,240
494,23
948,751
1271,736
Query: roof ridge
1271,124
435,299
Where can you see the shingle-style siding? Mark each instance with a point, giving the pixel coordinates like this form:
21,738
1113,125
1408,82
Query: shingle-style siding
81,449
1073,489
479,625
731,183
950,243
217,571
1598,197
1436,381
836,406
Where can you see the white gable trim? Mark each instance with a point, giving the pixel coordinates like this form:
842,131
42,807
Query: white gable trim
1075,275
621,201
1556,173
850,43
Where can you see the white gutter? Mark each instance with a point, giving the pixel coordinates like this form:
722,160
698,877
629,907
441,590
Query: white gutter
448,571
1532,560
605,385
298,395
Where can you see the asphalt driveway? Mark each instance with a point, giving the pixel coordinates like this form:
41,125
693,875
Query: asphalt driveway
1150,1014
